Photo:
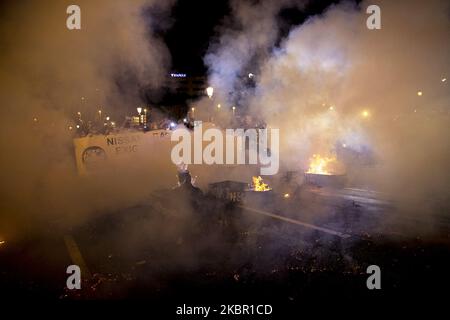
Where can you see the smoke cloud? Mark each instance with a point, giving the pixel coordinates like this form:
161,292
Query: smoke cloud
333,86
48,73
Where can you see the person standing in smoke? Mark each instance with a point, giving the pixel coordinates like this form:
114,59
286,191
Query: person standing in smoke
185,184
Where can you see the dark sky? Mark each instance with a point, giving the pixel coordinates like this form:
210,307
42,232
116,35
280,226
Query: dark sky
195,22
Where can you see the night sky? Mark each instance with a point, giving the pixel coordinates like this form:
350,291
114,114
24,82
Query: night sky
194,26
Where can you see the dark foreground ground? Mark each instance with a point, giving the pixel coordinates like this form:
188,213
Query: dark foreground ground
181,247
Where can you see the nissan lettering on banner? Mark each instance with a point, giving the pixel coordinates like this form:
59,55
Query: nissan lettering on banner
94,153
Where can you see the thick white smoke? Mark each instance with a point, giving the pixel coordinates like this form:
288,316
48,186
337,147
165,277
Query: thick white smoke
335,83
48,73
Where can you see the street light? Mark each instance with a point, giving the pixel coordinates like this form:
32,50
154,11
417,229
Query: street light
139,110
365,114
210,91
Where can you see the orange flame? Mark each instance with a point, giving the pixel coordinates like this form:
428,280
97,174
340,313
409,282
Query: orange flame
259,185
321,165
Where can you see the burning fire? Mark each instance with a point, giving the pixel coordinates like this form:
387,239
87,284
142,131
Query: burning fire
259,185
321,165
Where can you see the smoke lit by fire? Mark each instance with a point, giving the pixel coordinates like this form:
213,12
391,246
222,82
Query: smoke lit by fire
321,165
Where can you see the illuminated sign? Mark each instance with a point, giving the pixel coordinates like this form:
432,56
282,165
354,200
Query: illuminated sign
178,75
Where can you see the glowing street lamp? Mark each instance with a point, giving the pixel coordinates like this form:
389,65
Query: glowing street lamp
139,110
210,91
365,114
419,93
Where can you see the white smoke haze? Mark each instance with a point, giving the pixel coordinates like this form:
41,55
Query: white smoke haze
46,69
330,60
244,40
335,61
329,70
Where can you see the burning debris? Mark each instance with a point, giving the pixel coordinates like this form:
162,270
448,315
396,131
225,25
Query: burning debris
258,185
323,165
323,171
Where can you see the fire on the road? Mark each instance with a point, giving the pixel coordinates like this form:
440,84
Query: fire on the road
259,185
322,165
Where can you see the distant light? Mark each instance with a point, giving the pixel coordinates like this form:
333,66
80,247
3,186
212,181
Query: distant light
251,75
344,145
78,126
444,79
218,106
2,242
139,110
193,109
419,93
35,119
365,114
113,123
331,108
185,120
70,127
233,107
172,124
107,118
286,195
210,91
99,111
82,98
79,113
